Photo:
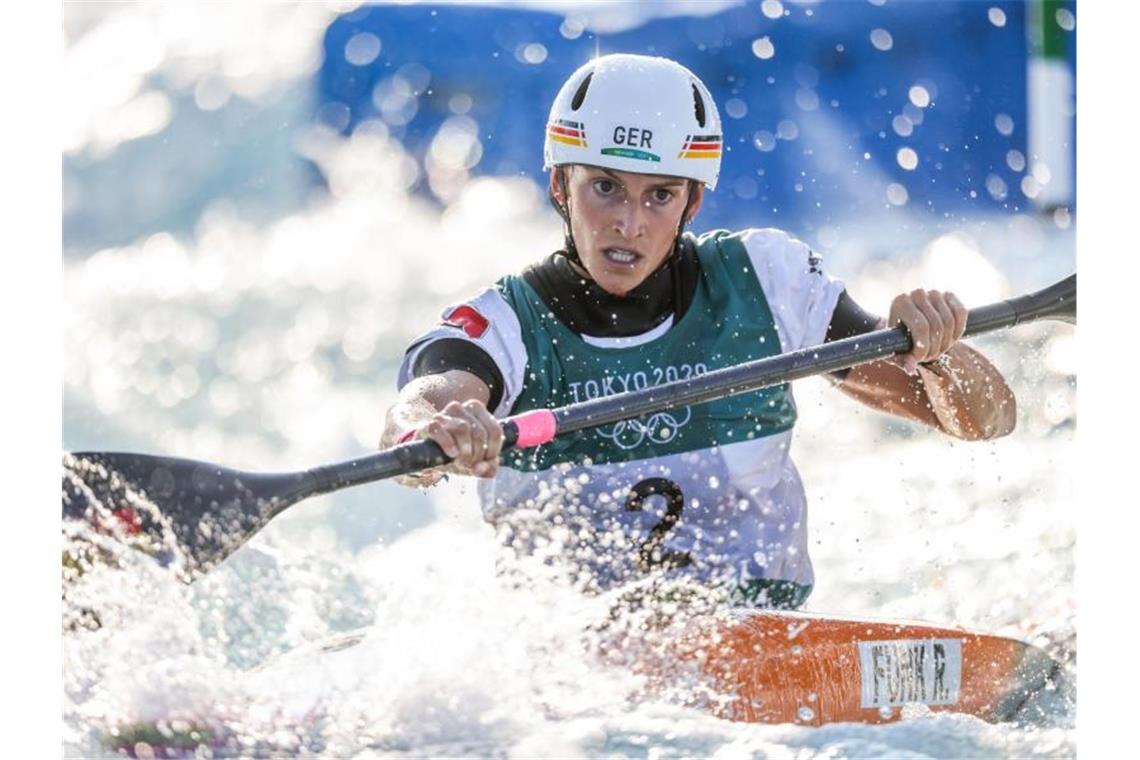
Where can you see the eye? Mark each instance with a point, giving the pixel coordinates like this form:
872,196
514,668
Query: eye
605,186
662,195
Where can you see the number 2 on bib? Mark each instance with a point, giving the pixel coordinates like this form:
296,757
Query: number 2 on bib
652,554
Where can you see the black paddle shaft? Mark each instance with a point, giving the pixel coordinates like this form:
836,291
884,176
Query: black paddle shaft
211,510
1058,301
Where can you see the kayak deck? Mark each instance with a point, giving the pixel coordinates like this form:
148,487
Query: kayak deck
782,667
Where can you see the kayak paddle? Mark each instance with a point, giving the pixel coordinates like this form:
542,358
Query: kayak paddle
209,511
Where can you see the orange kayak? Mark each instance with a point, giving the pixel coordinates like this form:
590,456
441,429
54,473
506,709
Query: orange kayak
761,667
782,667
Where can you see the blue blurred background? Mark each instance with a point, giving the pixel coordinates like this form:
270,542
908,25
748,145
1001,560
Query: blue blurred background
816,104
832,110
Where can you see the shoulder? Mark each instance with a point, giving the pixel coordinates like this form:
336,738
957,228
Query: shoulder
771,244
800,294
750,236
489,310
515,293
487,321
758,243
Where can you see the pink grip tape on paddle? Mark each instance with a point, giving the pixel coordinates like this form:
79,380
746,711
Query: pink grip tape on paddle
535,427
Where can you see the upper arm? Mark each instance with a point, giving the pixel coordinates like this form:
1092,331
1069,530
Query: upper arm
489,325
885,387
848,320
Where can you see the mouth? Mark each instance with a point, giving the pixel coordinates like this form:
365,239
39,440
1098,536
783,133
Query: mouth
622,257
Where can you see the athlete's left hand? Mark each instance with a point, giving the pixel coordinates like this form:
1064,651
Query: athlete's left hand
935,320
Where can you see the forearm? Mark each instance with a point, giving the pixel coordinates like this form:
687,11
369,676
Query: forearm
968,395
450,409
963,395
424,396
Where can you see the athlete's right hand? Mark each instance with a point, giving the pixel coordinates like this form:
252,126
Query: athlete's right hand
466,432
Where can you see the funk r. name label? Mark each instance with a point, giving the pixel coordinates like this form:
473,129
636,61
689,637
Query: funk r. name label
908,671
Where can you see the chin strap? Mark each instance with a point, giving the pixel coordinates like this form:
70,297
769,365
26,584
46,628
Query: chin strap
564,212
675,273
675,257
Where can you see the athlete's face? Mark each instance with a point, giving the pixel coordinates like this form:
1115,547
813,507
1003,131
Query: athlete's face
624,224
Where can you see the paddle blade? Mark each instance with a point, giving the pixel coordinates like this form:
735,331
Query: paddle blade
202,511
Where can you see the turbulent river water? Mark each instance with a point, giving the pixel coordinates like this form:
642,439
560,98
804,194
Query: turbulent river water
274,346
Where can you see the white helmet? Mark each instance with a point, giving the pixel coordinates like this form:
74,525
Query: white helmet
636,113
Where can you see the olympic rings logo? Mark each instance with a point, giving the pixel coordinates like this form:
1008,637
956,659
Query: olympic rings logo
657,428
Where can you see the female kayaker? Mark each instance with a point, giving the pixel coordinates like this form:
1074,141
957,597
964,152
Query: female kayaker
708,492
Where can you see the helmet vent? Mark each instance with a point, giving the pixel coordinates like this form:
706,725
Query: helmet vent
580,94
698,106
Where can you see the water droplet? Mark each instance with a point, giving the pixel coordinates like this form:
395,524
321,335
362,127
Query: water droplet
533,53
996,187
1003,122
882,39
897,194
886,712
787,130
1015,160
1065,19
764,141
572,28
1062,218
362,49
736,108
805,713
1041,172
919,95
745,188
772,8
763,48
806,99
997,16
902,125
907,159
1030,187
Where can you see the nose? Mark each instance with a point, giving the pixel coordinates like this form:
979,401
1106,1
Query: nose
631,219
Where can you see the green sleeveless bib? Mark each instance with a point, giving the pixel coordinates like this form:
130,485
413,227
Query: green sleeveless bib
728,322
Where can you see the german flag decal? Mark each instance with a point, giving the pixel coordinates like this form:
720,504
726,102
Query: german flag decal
701,146
569,132
468,319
